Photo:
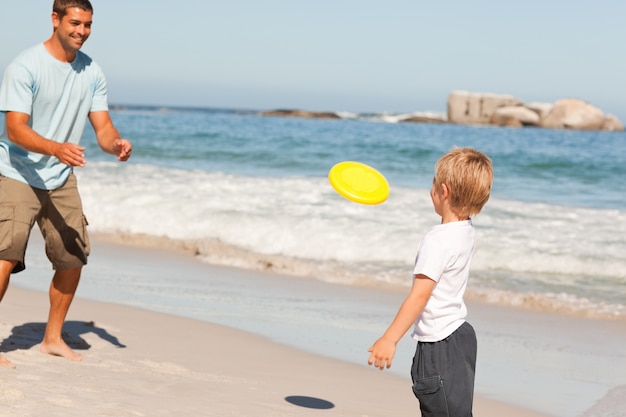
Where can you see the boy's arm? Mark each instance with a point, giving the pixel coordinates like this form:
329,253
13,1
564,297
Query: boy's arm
382,352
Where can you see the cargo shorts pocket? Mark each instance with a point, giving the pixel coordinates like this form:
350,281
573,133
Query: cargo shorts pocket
86,236
432,396
6,227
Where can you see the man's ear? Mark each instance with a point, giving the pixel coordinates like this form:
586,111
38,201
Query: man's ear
55,20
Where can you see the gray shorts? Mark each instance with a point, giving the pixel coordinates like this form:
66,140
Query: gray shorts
443,374
59,214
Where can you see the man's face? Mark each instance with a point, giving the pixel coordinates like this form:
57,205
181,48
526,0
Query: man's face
73,29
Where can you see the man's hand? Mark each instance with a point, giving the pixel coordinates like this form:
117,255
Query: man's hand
70,154
122,148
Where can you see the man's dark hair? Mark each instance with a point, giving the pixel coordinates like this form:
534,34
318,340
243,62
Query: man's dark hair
60,6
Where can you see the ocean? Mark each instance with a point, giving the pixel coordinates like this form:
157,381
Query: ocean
252,191
248,191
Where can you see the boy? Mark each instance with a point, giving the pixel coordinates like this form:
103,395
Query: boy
445,358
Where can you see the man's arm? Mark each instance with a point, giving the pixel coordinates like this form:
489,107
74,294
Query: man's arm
382,352
108,137
20,133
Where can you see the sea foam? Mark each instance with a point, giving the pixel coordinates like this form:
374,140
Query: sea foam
300,226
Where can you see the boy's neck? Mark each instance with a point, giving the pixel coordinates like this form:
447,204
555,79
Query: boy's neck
449,216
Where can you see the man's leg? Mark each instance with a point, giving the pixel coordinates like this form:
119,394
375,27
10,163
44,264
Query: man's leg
63,226
5,274
62,290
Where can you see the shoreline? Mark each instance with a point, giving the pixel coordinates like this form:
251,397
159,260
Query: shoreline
162,365
277,264
515,345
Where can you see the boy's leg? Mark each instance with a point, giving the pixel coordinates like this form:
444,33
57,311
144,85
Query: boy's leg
443,374
461,348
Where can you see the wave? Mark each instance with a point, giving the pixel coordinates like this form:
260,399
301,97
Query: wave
392,278
300,226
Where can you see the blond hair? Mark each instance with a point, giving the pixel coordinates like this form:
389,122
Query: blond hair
468,174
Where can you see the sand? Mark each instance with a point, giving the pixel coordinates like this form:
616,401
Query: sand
148,363
141,363
145,363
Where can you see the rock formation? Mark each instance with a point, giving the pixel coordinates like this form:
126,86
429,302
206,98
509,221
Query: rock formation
505,110
574,114
301,113
476,108
423,118
612,123
496,110
514,116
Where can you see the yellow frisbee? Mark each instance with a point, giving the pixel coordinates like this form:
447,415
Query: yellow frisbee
359,182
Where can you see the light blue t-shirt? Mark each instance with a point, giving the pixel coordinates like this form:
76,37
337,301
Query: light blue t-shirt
58,96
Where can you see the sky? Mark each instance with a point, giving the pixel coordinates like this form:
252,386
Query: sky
398,56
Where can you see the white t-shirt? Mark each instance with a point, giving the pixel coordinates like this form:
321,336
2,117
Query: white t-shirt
58,96
444,255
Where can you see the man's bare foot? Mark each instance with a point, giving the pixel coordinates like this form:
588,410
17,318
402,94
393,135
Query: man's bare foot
61,349
5,363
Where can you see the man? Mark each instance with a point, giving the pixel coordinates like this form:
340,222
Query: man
47,94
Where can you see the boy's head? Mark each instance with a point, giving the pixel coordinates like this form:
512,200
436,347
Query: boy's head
468,175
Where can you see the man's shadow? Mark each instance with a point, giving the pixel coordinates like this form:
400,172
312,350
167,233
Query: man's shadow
28,335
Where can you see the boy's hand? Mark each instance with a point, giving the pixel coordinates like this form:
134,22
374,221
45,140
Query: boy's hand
382,353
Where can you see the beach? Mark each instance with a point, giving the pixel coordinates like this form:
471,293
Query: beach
146,363
139,363
221,252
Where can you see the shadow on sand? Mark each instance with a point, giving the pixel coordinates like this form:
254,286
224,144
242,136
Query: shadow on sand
28,335
309,402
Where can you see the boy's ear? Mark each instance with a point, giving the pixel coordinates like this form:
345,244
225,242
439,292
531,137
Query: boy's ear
445,191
